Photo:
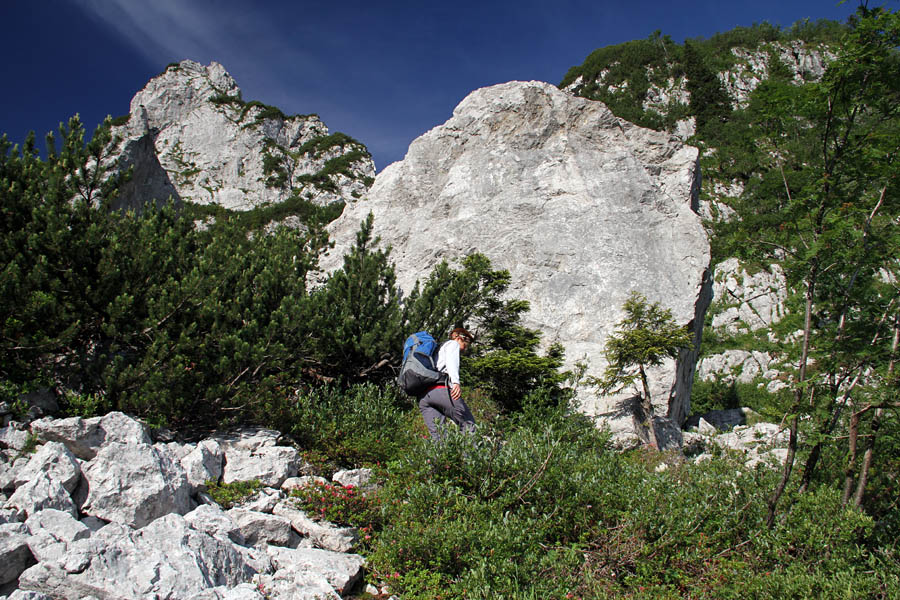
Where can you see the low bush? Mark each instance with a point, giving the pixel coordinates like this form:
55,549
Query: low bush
339,504
364,425
538,506
227,495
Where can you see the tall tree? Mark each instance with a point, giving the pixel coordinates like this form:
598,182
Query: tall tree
826,209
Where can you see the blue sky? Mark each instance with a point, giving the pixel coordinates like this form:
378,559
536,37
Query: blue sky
382,72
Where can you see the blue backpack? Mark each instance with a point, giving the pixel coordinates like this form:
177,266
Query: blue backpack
419,370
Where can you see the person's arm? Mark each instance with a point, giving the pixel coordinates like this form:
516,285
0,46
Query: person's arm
451,367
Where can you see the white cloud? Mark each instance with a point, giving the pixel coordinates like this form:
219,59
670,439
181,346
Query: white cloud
171,30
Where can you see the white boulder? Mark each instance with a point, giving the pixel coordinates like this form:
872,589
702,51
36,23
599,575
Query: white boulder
135,484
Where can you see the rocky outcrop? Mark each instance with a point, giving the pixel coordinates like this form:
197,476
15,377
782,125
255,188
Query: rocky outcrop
580,206
748,301
804,63
121,519
190,135
760,443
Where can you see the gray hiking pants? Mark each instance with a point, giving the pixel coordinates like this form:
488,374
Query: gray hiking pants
437,405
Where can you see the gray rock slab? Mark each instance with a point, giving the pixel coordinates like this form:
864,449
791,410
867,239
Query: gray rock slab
81,436
750,300
84,437
26,595
342,571
203,463
166,560
38,494
15,556
52,531
54,459
135,484
263,501
14,436
323,535
295,483
211,519
247,438
358,478
289,584
259,528
270,465
244,591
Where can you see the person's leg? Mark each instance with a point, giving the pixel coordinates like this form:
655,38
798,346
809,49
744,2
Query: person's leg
462,416
434,407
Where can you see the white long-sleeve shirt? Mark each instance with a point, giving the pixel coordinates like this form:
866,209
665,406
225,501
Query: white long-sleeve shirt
448,360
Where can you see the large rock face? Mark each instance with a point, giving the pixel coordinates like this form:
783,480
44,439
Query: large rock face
581,207
189,135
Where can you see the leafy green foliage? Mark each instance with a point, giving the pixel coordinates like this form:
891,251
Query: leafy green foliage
709,102
340,428
358,319
541,508
621,75
339,504
227,495
504,362
645,337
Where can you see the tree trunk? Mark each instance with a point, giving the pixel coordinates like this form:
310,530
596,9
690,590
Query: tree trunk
851,455
869,453
798,400
647,407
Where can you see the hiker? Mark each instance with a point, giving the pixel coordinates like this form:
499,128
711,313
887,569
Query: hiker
445,399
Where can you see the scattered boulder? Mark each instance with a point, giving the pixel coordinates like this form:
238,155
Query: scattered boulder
39,493
342,571
750,300
757,443
52,531
296,483
244,591
263,501
23,595
247,438
358,478
54,459
211,519
84,437
257,527
288,584
135,484
741,366
15,556
203,463
723,420
167,559
323,535
13,437
270,465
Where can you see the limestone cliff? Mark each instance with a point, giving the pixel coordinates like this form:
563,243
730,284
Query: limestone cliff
580,206
191,136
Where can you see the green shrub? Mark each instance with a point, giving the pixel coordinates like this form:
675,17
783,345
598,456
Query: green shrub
227,495
339,504
364,425
539,508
